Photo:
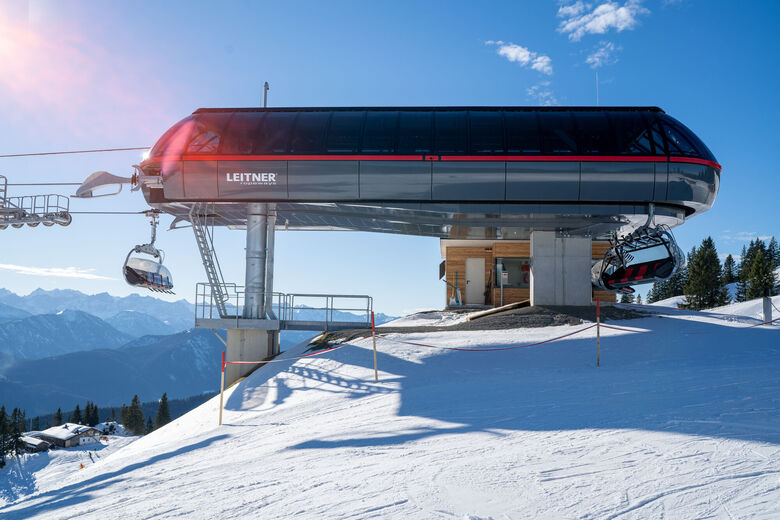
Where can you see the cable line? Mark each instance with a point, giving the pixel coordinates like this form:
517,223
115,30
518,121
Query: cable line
47,184
106,212
75,151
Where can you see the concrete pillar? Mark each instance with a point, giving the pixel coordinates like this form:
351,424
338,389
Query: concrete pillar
269,261
560,269
254,287
248,345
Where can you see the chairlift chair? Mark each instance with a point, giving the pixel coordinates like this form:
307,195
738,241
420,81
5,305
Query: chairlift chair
144,272
646,255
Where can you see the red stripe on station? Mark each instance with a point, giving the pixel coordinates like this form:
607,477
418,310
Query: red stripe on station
694,160
432,157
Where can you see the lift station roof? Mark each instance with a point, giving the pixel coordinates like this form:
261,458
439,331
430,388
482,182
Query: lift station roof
452,172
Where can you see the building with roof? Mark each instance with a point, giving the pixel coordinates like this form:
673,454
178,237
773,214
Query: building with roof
546,204
34,444
69,434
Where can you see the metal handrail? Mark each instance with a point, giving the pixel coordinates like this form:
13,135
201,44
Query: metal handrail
285,305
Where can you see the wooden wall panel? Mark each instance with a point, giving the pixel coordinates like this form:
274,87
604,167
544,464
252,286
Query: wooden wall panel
599,248
512,250
511,296
605,296
456,262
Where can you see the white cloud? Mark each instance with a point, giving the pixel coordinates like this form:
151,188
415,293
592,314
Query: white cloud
744,236
604,54
542,94
543,64
579,19
571,10
58,272
523,56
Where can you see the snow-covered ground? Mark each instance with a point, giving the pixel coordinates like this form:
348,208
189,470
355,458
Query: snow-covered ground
429,319
41,472
682,420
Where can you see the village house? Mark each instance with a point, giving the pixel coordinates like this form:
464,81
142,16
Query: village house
68,435
34,444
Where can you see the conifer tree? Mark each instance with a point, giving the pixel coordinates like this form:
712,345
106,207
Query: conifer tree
760,279
163,412
149,425
742,276
4,435
773,252
123,414
729,270
638,299
703,289
652,295
16,428
135,417
57,420
675,285
92,416
113,414
76,416
36,424
626,298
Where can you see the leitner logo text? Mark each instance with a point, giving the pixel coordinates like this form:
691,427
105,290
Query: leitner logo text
251,178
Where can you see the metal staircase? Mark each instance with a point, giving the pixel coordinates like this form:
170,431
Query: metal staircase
204,237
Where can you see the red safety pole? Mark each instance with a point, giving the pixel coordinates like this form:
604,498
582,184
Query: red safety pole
222,388
598,331
373,336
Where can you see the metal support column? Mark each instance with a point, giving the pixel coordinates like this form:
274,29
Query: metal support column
269,264
256,231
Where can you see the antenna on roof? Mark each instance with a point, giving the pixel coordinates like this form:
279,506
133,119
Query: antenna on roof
266,88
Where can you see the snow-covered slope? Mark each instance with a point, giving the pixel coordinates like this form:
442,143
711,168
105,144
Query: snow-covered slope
681,420
37,472
429,319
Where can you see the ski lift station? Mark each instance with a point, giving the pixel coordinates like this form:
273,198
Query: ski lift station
553,205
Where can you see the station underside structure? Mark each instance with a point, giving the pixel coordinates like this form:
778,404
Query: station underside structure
555,180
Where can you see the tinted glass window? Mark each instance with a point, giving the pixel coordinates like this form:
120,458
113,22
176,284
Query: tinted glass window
273,134
174,140
633,134
656,134
379,132
207,132
596,136
344,132
678,144
558,135
486,132
684,132
414,132
451,132
241,132
522,132
309,132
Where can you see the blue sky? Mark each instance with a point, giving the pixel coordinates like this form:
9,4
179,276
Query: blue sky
79,74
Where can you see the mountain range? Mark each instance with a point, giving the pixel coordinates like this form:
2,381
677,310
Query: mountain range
179,314
61,348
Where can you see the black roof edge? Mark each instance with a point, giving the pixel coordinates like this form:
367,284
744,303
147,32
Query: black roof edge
442,108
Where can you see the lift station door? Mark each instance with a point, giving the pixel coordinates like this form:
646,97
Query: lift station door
475,280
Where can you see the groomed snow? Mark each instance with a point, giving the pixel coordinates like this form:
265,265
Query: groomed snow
41,472
429,319
680,422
